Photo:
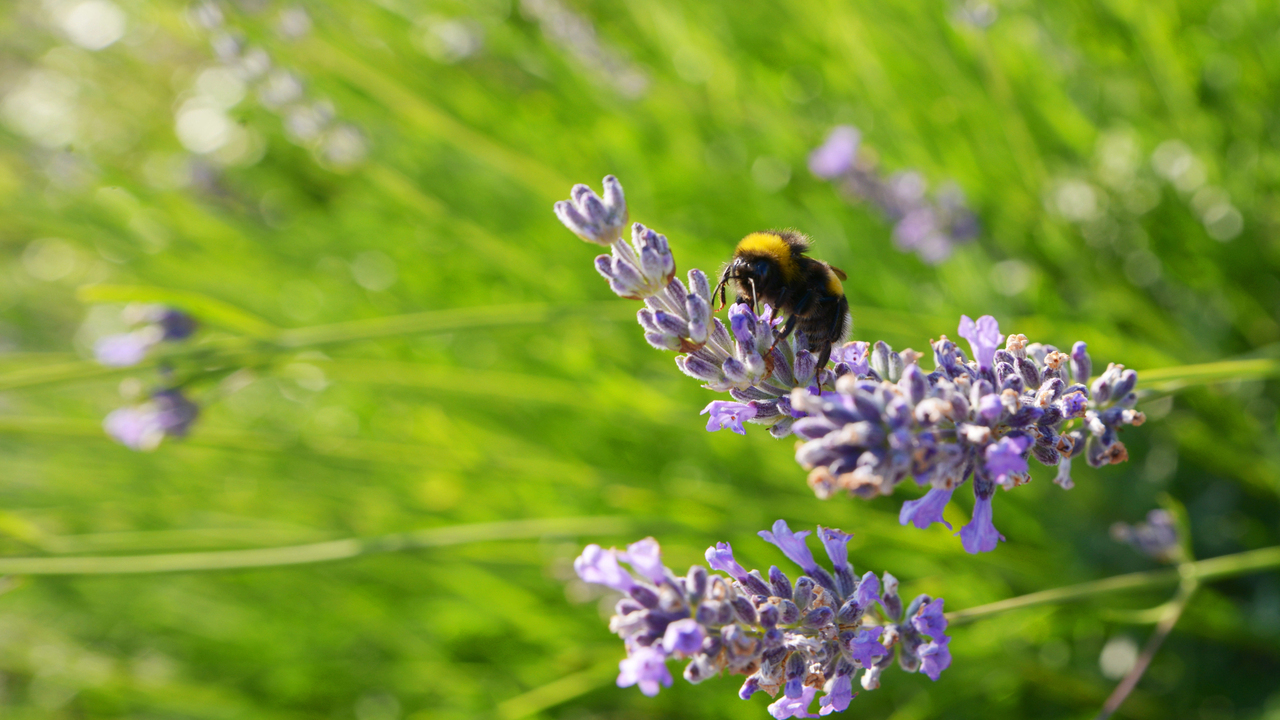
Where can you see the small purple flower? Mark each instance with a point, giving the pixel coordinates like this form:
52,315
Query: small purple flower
787,707
927,510
134,427
837,544
683,637
1006,457
835,157
980,535
935,657
929,620
167,414
600,566
868,590
791,544
645,667
866,646
727,414
855,355
984,338
123,350
838,697
646,558
720,557
1074,405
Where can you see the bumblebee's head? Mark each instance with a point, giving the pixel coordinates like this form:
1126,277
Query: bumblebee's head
765,259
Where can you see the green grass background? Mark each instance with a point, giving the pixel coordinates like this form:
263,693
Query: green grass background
571,414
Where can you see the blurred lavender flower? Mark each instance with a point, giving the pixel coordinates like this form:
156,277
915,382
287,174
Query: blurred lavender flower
789,638
928,227
168,413
1157,537
154,324
873,417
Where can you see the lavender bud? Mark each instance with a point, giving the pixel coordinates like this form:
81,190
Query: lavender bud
889,599
708,612
755,584
819,617
749,688
768,615
742,608
803,593
880,359
849,613
1081,364
781,585
914,383
1046,455
1128,379
711,645
696,583
644,596
1029,373
788,613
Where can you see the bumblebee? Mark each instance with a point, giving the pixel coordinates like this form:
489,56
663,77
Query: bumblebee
771,267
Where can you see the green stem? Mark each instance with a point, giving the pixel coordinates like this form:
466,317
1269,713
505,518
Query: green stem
224,349
1204,570
312,552
1173,611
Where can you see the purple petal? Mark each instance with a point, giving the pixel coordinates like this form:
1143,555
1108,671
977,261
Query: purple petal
838,699
787,707
791,544
866,646
645,667
984,338
721,558
684,637
935,657
1005,457
980,534
600,566
645,558
929,620
725,414
868,590
122,350
927,510
837,544
136,428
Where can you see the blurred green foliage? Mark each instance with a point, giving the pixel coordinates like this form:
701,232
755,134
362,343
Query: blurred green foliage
1104,144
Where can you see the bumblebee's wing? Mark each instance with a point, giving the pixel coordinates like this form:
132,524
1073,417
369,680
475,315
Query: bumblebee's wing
839,273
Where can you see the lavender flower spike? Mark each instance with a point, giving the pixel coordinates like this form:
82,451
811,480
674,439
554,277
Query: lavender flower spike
595,220
791,544
984,338
790,640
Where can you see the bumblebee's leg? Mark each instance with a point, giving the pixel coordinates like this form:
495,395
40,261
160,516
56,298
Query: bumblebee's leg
790,325
720,288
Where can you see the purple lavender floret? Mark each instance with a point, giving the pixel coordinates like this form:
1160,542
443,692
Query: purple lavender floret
167,413
151,325
931,227
789,639
1157,537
